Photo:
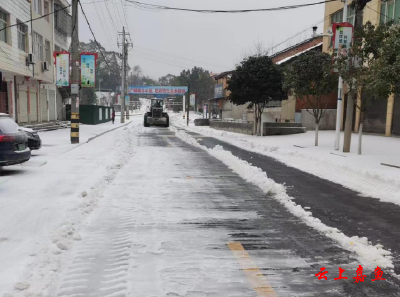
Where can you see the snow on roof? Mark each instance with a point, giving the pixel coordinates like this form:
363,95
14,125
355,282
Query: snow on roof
298,54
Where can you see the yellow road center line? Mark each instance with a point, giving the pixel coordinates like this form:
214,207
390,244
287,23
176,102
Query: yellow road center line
256,278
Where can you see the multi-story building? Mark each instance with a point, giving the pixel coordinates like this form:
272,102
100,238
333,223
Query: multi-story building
383,116
15,44
27,89
43,103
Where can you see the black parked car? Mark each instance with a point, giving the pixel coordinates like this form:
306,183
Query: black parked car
13,143
34,141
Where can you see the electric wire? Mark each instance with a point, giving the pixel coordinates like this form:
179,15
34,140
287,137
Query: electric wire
178,57
95,40
105,29
164,62
117,13
112,19
110,35
31,20
161,59
161,7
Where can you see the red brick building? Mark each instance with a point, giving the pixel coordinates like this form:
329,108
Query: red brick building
289,54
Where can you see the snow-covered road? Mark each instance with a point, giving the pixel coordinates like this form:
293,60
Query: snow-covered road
138,212
46,192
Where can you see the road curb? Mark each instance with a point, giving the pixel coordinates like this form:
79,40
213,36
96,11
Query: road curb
101,134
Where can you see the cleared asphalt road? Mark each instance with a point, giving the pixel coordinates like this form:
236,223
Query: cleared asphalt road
178,222
335,205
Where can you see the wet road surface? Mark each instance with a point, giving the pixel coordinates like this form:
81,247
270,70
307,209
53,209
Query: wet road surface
178,222
335,205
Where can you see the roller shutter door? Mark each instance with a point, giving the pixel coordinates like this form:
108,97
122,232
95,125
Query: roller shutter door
23,107
43,105
33,115
52,105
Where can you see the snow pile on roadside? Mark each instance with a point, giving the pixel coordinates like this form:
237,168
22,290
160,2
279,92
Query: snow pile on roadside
42,274
371,256
363,174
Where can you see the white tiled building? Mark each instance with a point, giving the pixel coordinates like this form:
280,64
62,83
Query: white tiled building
28,92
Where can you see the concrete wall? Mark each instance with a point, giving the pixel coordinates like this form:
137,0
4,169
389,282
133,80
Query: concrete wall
236,112
243,128
288,109
12,59
328,122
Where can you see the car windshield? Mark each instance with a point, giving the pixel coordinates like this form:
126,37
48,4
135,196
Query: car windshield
157,103
7,125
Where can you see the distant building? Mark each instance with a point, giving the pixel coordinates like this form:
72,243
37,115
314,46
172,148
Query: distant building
275,111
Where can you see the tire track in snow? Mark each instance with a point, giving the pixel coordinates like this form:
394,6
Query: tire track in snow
42,276
111,251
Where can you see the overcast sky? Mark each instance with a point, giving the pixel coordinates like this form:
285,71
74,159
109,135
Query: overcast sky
170,41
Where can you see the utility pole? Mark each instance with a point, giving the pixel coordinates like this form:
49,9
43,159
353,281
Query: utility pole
123,78
123,84
188,106
340,93
126,85
75,79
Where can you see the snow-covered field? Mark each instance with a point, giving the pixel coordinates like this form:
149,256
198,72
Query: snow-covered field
43,198
363,173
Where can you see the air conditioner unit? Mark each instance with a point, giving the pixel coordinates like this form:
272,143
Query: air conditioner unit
46,66
30,59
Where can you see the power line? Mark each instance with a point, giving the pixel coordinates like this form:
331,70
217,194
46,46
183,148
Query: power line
161,61
105,29
112,19
31,20
126,22
119,18
154,6
94,37
299,33
178,57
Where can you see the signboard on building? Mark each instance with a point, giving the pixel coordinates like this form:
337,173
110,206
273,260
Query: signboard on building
219,91
157,90
88,70
62,69
342,40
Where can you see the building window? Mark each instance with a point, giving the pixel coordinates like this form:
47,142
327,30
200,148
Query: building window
351,15
48,52
38,46
22,36
62,20
390,11
46,10
3,24
37,6
337,17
